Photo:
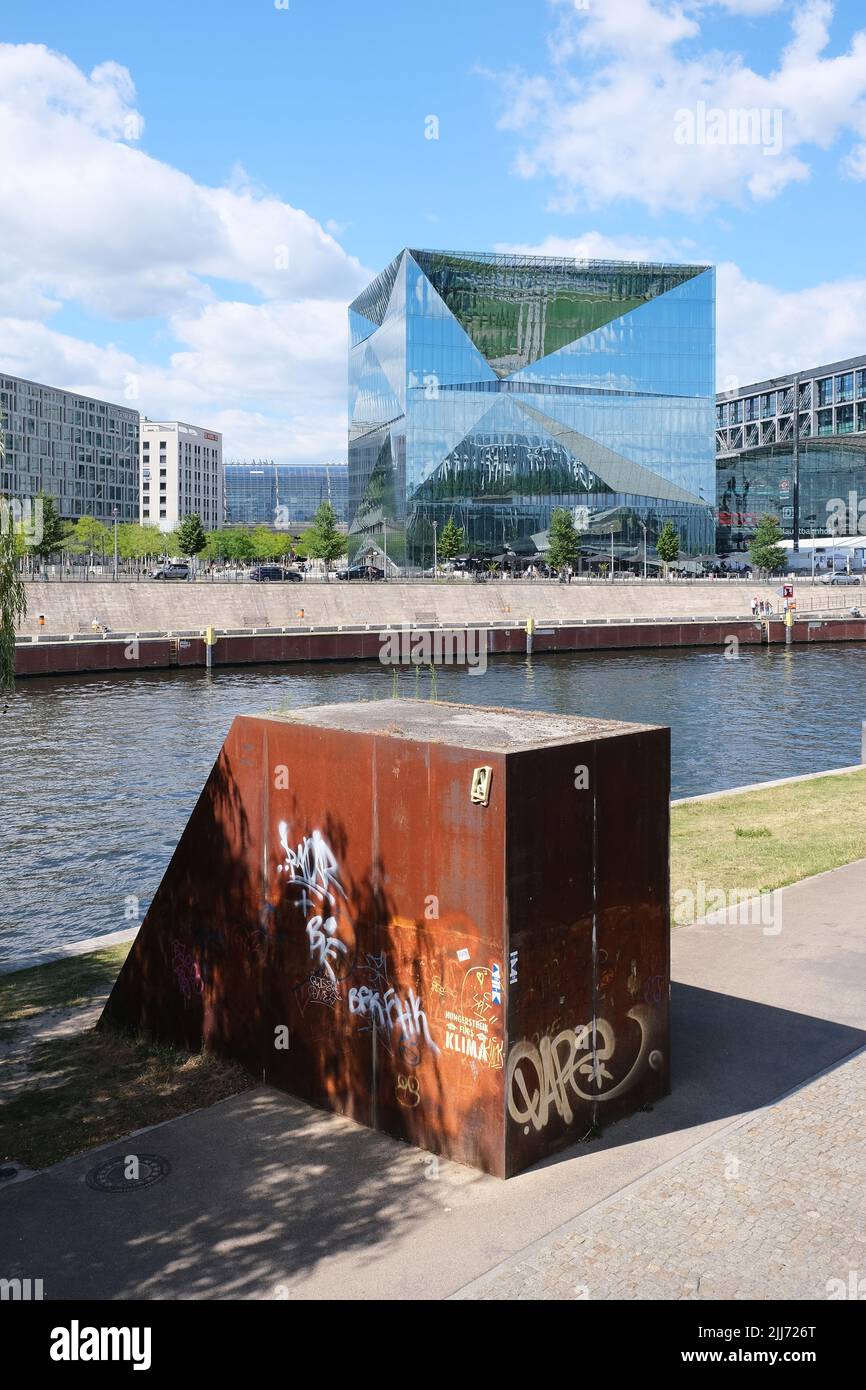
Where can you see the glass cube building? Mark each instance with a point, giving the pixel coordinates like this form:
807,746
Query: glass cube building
496,388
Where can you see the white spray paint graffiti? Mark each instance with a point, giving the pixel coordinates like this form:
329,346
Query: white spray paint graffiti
541,1077
388,1011
312,866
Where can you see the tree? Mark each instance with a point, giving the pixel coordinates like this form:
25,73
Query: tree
668,545
238,545
53,532
191,539
324,541
451,541
88,537
765,552
564,540
13,596
267,545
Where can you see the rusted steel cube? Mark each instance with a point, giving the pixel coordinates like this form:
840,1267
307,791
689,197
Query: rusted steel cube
447,922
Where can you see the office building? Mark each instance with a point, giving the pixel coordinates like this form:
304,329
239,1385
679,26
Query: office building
495,388
79,450
811,475
181,474
260,492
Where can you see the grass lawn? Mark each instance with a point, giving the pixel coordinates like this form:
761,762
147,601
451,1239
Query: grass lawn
62,1095
765,839
64,984
94,1087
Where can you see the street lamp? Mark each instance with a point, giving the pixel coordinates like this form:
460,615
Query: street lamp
611,555
642,524
115,513
385,545
435,552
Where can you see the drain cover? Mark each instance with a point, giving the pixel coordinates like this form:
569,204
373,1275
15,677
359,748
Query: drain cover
128,1173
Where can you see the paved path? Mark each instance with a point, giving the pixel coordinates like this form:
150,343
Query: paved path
772,1208
708,1193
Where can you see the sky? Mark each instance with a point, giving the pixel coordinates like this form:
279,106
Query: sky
192,192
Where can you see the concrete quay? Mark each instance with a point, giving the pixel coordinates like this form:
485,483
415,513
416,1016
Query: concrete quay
128,607
333,622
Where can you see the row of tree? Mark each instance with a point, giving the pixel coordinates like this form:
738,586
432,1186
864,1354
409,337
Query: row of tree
92,537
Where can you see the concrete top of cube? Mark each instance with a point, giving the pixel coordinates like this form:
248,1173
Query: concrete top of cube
462,726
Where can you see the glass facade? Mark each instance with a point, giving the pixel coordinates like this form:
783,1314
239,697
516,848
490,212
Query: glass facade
81,451
264,493
755,474
496,388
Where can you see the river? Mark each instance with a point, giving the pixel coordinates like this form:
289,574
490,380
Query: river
99,774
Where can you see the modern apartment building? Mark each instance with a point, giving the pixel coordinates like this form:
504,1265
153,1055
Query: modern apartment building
496,388
811,475
181,474
260,492
81,451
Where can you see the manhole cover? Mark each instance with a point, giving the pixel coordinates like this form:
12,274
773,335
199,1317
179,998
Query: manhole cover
128,1173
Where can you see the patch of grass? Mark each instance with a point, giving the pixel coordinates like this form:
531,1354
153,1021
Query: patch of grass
94,1087
60,984
726,844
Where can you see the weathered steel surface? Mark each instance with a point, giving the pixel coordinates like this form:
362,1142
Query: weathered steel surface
484,981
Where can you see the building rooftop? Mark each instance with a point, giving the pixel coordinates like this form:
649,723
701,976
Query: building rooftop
773,383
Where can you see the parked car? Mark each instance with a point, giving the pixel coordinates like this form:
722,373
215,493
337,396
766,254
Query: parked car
269,574
841,579
369,572
171,572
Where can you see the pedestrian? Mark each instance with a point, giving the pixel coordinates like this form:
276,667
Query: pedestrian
755,606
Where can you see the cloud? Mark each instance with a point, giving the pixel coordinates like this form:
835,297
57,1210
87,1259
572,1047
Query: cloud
763,331
88,218
272,377
637,107
598,246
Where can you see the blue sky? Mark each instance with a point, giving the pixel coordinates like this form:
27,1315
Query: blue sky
192,192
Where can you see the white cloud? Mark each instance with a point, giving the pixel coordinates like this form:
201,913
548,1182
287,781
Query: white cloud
638,107
763,331
601,247
272,377
88,218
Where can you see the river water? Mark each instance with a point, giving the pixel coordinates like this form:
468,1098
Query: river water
99,774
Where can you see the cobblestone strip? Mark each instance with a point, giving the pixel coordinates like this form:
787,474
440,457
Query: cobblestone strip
774,1207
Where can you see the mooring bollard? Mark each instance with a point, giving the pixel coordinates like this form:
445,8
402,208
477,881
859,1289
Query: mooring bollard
209,644
530,631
